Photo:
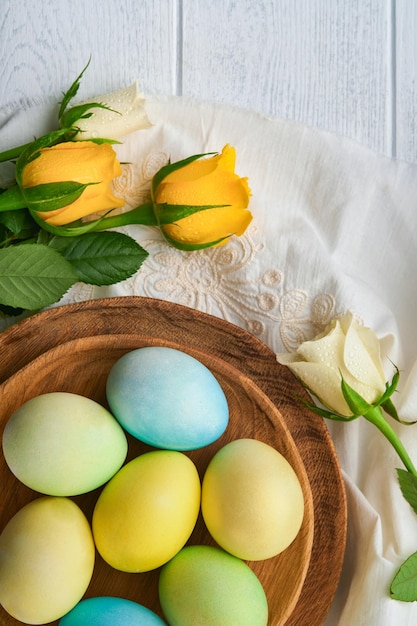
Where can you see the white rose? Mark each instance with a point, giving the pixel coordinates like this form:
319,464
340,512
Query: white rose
345,349
127,115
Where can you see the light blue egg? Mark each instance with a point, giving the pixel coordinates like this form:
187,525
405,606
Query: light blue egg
109,611
167,398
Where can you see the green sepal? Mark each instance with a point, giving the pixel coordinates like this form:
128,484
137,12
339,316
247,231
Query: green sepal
71,230
80,112
408,485
404,584
32,151
52,196
328,414
171,213
357,404
70,94
172,167
188,247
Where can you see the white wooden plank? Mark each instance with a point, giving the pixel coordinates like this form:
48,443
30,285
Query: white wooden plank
321,62
45,44
406,79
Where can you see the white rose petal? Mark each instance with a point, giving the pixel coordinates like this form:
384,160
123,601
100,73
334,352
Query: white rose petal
327,350
128,115
324,382
361,365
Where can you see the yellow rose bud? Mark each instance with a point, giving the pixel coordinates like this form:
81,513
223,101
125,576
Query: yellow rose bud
204,182
82,162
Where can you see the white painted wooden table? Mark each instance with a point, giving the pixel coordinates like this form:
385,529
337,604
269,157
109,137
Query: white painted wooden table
348,66
345,66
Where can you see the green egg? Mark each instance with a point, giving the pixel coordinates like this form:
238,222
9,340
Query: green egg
205,586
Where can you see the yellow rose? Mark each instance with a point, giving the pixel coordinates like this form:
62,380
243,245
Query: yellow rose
205,182
82,162
345,349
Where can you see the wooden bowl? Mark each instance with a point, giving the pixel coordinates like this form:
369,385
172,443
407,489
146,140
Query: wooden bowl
81,365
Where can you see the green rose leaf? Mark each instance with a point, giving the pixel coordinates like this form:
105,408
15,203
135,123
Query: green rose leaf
408,485
17,225
102,258
404,584
33,276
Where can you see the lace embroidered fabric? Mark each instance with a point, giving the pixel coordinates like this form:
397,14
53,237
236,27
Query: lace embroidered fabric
231,282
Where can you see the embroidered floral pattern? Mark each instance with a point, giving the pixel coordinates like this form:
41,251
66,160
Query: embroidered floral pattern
225,281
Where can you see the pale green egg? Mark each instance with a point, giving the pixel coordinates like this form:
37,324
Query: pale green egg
63,444
204,585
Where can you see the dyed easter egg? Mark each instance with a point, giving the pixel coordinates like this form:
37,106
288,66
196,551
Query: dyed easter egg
205,585
147,511
110,611
167,398
63,444
46,560
252,501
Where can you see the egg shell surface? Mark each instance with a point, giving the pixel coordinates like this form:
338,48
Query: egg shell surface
252,501
46,560
167,398
110,611
63,444
204,585
147,511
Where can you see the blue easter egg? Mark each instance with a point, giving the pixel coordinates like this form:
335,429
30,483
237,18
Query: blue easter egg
109,611
167,398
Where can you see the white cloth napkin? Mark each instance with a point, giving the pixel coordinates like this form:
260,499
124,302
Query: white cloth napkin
335,228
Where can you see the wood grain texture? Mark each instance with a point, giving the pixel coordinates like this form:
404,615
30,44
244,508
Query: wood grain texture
405,80
165,322
321,63
44,45
347,66
82,366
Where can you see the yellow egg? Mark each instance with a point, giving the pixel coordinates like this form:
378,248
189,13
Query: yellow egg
46,560
252,501
147,512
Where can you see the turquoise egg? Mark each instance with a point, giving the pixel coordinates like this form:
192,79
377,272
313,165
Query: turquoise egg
109,611
167,398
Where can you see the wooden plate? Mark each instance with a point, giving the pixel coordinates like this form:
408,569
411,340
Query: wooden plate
72,348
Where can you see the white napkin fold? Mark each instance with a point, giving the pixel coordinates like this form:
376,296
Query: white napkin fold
335,228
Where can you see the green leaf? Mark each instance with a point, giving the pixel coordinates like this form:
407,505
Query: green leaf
33,276
170,213
404,584
103,258
17,221
53,196
408,485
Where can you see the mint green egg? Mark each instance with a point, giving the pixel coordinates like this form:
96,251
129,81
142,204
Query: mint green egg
63,444
204,585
